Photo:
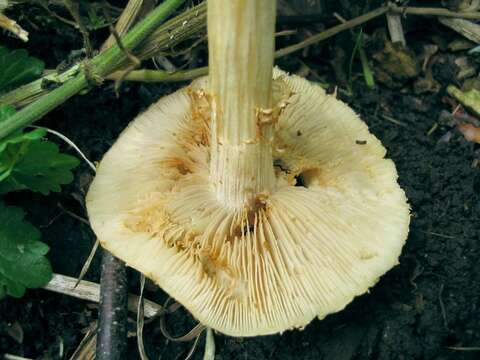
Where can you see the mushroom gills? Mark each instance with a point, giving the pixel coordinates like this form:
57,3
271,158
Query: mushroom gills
294,253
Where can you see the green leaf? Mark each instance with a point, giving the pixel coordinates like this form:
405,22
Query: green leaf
17,68
14,146
22,256
28,162
42,168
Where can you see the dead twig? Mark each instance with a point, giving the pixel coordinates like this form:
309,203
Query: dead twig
332,31
90,291
394,121
45,5
426,11
112,323
73,9
466,28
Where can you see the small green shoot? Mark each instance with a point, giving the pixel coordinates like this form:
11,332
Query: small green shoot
367,72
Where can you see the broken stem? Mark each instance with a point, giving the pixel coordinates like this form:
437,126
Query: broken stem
241,47
12,26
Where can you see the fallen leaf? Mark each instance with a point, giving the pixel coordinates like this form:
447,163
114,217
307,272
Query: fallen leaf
470,132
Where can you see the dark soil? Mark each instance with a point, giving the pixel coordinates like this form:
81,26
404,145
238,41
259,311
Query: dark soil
419,310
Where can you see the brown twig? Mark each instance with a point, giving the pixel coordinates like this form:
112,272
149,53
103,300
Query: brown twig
45,5
134,61
74,11
112,327
425,11
332,31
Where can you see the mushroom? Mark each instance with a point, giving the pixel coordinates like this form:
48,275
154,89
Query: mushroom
251,196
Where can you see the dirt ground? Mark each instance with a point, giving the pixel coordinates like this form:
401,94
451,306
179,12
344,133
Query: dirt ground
424,308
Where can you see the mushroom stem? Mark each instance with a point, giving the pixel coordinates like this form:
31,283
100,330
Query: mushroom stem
241,37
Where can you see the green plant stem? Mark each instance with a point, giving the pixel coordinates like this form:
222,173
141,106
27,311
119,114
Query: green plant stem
109,59
102,65
30,92
182,27
159,75
37,109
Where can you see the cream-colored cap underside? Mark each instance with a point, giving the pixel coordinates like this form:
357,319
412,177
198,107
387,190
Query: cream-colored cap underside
307,252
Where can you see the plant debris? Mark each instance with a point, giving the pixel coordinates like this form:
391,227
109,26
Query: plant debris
470,99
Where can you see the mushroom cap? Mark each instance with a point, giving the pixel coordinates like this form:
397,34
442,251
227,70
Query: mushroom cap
336,221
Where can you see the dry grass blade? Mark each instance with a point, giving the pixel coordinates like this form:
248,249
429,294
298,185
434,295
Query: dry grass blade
88,262
14,357
189,24
427,11
69,142
192,334
130,15
141,321
193,348
209,346
86,348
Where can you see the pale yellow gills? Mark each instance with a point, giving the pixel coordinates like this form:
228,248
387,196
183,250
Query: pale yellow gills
335,222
